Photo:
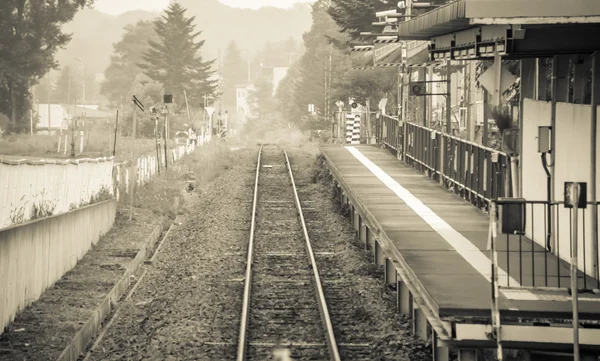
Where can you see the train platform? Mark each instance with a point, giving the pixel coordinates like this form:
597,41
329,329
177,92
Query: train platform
434,248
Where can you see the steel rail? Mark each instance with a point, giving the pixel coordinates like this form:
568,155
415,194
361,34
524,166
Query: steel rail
242,344
330,337
331,342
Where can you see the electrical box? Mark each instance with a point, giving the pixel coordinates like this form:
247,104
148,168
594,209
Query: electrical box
581,200
168,98
512,215
510,141
544,139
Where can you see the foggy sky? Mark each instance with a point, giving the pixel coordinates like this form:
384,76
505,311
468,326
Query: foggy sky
119,6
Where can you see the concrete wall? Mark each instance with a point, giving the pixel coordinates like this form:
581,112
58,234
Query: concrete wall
58,185
571,163
34,255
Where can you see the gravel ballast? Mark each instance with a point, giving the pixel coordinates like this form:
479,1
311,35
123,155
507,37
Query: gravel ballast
188,305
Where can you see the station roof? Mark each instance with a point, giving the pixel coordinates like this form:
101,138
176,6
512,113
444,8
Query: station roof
459,15
475,29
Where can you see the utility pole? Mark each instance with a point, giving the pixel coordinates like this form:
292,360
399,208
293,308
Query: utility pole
467,98
73,131
134,131
48,99
69,90
448,98
82,78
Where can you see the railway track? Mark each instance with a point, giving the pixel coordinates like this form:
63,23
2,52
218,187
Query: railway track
284,304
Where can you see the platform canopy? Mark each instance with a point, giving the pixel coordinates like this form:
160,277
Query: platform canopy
471,29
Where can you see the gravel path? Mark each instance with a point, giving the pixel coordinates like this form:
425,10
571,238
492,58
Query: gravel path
187,306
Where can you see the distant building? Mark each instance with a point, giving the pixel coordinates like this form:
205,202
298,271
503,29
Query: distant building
54,117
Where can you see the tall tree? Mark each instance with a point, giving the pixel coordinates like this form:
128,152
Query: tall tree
31,35
174,59
260,99
235,72
67,93
65,90
127,54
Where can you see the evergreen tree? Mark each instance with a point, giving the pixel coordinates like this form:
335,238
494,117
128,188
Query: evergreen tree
65,95
235,72
124,68
64,92
261,99
175,60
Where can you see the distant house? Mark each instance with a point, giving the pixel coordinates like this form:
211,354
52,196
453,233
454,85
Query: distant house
54,117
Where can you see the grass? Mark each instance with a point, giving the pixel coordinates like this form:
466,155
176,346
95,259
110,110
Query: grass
96,144
163,195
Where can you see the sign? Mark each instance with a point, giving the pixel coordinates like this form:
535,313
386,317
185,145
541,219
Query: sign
210,111
506,79
352,128
168,98
382,104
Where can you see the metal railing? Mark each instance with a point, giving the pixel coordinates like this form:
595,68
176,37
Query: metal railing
539,258
469,169
389,133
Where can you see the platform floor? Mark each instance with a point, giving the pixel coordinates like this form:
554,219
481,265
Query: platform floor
443,239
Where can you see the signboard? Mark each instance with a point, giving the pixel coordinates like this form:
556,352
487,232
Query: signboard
362,57
210,111
506,79
387,53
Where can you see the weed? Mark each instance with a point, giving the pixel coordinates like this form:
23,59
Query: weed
42,209
103,194
17,215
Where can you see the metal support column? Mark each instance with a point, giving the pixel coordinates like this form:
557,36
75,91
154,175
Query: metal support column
595,102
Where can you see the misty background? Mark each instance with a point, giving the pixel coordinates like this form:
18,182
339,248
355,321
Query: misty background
252,30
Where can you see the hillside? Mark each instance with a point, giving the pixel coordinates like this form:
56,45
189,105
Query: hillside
94,32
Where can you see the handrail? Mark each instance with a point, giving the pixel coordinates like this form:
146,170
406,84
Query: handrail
459,139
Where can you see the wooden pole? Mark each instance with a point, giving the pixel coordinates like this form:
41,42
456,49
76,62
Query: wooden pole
188,107
116,129
134,121
132,184
165,139
73,132
157,144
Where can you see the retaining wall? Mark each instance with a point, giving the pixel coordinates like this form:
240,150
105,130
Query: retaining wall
51,186
34,255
